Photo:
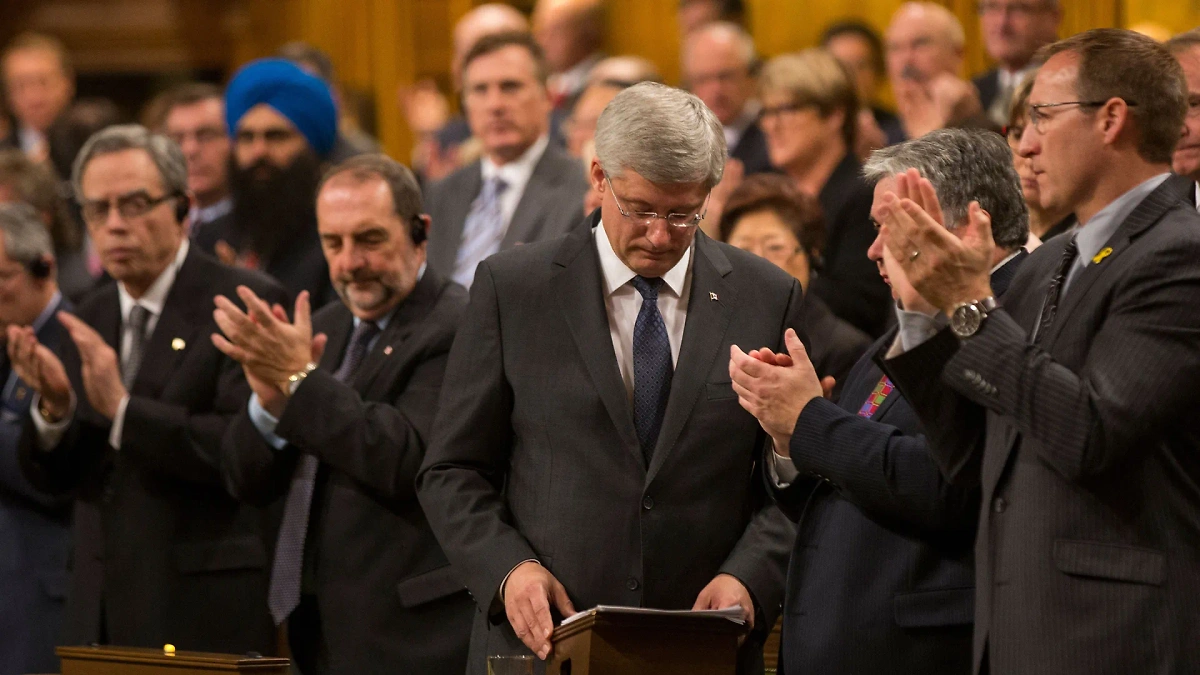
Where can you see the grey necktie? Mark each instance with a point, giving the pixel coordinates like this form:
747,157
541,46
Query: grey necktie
483,231
138,317
286,573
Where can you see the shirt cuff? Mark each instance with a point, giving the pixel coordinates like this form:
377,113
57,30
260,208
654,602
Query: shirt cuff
265,422
782,469
49,434
917,327
118,424
500,593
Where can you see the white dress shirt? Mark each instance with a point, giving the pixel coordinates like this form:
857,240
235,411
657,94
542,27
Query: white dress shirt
153,300
737,128
623,303
515,175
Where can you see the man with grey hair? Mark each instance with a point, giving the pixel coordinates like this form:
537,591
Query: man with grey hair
129,417
35,527
719,64
589,449
880,530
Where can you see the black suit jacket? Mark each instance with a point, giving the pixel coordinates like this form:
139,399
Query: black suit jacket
162,551
988,85
387,598
550,206
751,149
535,455
1085,448
848,281
885,541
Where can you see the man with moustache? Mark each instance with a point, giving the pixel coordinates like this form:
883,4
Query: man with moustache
337,427
284,123
1186,161
129,419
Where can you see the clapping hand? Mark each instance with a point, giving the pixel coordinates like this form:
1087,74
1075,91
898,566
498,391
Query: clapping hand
269,348
776,387
34,363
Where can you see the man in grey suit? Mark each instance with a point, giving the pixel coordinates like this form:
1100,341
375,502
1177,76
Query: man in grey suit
590,449
1073,404
524,188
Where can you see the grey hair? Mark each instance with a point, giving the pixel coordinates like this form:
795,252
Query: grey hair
964,165
26,239
166,155
664,134
728,30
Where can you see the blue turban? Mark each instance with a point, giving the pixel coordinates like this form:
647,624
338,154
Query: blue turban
302,98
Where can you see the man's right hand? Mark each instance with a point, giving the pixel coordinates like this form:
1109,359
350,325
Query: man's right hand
528,592
40,369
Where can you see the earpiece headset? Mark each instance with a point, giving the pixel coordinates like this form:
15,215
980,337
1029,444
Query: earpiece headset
39,268
417,231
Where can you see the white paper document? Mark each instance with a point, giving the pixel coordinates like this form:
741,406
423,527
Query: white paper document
733,613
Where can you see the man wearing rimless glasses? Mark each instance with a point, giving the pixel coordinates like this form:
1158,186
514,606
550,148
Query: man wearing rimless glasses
590,448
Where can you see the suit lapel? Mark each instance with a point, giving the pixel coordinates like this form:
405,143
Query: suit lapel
404,321
187,308
338,334
1148,212
581,301
703,338
535,201
458,207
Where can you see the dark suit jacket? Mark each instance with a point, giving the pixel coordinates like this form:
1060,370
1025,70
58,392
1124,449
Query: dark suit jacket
551,205
885,541
988,85
848,281
535,456
751,149
836,345
162,551
35,538
387,598
1086,448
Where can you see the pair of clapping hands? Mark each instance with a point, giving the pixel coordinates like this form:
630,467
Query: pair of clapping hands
947,269
270,348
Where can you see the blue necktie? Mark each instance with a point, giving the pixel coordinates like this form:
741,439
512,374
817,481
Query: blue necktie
652,367
483,231
284,594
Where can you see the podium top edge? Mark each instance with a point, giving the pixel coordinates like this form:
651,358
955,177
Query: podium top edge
179,658
601,620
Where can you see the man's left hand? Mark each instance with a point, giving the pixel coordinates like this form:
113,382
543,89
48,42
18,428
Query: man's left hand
726,591
99,369
266,345
775,394
947,270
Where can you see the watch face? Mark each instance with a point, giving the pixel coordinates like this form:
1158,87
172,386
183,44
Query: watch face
966,320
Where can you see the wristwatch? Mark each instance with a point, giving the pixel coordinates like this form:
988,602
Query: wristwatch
296,378
969,316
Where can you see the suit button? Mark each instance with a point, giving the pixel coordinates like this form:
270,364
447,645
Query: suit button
647,502
999,504
632,584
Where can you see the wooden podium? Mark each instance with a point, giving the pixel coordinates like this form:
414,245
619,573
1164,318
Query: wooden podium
612,642
107,660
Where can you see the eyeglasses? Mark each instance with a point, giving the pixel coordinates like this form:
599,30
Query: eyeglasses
781,110
130,205
1037,118
1013,133
647,217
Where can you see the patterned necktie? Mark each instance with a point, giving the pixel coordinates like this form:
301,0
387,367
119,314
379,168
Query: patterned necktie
652,369
138,317
881,391
483,231
1054,292
284,594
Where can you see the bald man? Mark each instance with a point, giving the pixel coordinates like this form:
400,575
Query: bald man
1186,161
571,33
718,67
924,49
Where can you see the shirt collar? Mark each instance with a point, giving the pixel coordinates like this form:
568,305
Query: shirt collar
516,173
155,297
616,273
574,79
207,214
737,128
1011,79
47,312
1092,235
1004,262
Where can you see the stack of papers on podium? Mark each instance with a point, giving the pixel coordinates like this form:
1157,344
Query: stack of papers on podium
733,614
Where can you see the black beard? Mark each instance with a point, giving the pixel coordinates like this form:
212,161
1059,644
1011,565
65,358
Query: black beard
276,208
